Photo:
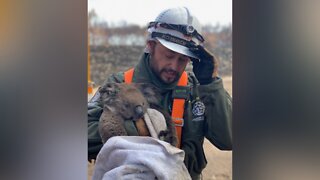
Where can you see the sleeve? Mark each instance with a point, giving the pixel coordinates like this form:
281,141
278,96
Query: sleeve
218,114
95,109
94,140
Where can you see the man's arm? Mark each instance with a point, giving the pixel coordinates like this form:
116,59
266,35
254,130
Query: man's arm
218,114
94,139
95,109
217,101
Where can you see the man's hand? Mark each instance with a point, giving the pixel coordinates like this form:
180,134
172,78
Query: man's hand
206,68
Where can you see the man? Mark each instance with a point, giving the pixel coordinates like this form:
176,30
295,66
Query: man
173,41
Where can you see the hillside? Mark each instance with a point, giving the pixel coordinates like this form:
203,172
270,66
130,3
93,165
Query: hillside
107,60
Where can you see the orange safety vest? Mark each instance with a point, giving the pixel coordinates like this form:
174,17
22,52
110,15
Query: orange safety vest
178,104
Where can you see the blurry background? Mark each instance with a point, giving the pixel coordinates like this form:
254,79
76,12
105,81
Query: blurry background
43,65
117,32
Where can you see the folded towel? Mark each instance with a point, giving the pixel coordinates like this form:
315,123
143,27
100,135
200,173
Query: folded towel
155,122
138,157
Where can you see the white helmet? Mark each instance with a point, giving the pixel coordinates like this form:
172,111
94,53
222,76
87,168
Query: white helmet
176,29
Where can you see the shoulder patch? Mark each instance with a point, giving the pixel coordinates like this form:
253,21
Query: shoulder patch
198,108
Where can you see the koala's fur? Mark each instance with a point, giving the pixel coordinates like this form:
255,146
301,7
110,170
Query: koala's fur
129,102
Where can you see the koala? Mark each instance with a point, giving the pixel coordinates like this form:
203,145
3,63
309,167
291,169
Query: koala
129,102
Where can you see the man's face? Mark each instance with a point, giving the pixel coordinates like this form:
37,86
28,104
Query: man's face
165,63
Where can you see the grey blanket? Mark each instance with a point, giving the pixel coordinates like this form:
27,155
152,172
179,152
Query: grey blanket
137,157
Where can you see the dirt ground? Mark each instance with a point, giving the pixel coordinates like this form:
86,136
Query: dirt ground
219,165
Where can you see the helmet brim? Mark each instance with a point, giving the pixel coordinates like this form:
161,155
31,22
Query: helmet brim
177,48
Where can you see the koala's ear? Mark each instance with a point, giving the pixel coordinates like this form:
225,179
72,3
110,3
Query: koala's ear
109,89
151,92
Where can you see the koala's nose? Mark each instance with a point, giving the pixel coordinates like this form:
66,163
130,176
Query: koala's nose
139,111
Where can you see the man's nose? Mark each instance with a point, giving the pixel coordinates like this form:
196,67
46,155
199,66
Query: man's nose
174,64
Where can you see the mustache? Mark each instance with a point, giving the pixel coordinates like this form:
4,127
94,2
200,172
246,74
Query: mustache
169,70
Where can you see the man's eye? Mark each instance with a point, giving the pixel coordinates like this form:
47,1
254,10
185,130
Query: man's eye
184,59
169,56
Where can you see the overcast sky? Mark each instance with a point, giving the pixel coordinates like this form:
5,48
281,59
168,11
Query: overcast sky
143,11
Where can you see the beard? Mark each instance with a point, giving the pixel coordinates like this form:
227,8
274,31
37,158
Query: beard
168,75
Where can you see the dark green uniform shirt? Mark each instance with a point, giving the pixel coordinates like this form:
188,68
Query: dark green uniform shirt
213,120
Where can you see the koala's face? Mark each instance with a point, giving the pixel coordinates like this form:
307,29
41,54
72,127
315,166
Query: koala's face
125,99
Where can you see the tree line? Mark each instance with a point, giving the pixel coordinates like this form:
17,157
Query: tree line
218,38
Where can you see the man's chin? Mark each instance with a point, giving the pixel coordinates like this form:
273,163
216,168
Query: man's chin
167,80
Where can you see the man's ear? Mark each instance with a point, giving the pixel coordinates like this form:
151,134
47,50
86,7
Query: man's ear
151,45
149,91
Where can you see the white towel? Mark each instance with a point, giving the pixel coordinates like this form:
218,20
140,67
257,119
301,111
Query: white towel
155,122
139,157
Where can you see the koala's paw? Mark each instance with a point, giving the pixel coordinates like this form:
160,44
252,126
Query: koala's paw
168,137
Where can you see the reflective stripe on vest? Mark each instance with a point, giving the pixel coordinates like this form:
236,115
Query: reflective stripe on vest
178,104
